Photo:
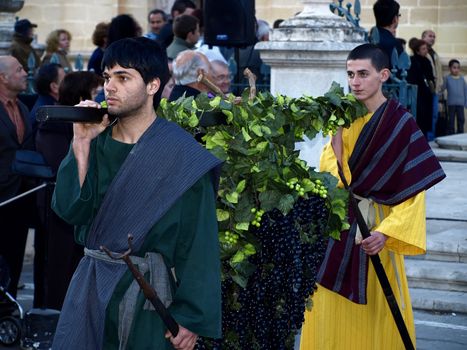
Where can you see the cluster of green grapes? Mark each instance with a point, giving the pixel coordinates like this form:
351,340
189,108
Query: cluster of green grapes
297,187
315,187
332,125
319,189
230,237
258,215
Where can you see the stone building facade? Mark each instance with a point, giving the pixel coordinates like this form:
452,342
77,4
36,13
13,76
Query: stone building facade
448,18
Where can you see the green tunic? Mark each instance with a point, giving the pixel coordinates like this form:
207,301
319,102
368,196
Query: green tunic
186,237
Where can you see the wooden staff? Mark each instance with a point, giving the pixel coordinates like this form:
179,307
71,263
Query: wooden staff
379,269
148,290
252,82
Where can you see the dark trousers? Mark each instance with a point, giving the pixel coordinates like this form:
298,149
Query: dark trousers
453,112
58,255
14,228
63,256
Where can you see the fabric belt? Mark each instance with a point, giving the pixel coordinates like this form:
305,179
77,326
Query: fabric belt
368,211
158,278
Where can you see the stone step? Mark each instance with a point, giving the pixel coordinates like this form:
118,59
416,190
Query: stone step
438,300
455,142
450,155
439,275
446,241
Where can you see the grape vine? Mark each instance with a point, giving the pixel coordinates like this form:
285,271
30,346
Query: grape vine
275,213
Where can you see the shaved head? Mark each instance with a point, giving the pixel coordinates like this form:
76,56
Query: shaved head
12,76
5,63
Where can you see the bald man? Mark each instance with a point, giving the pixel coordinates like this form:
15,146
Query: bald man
186,68
15,134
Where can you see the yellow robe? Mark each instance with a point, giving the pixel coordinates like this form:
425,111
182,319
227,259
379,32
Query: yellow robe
335,323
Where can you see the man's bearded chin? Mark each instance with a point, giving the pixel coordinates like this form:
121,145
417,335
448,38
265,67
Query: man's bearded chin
119,113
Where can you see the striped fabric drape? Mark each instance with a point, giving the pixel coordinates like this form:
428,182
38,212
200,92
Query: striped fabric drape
164,163
391,162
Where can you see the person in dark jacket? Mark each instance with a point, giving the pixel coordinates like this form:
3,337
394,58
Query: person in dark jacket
21,46
48,79
421,74
387,19
53,141
15,134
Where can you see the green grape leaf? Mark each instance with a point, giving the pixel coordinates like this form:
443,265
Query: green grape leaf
286,203
241,186
222,215
232,197
269,199
242,226
245,134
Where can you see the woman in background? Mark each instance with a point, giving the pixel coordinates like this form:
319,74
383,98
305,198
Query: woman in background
58,44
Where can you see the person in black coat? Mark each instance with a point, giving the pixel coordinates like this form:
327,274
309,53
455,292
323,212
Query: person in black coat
48,79
53,141
15,134
421,74
387,20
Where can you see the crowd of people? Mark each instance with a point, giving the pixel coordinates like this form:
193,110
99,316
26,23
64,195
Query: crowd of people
132,71
57,253
434,97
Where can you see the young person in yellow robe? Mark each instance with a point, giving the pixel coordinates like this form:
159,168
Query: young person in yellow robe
388,163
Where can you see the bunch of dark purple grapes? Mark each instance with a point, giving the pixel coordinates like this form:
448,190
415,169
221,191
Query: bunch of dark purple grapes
270,310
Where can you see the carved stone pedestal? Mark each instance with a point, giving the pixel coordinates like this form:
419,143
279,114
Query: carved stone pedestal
307,52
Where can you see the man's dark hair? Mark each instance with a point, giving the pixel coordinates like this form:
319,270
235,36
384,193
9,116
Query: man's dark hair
156,12
183,25
77,86
142,54
122,26
385,11
453,62
378,58
46,75
181,5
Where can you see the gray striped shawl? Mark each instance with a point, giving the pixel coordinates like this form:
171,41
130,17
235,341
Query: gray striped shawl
164,164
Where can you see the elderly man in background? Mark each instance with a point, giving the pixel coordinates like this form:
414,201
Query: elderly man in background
186,69
429,37
221,75
15,134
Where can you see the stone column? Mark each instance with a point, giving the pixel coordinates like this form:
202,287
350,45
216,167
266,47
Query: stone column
307,52
8,8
